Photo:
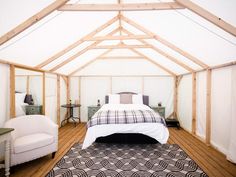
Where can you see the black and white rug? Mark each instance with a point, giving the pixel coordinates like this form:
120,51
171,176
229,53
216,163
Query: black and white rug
126,160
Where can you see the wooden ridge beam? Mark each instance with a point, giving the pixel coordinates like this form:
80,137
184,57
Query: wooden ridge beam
154,62
32,20
165,42
77,43
80,52
208,16
120,57
129,37
90,62
122,7
163,53
123,46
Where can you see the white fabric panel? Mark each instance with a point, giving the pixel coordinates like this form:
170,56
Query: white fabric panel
122,67
185,102
201,104
231,155
36,89
221,108
51,96
92,89
5,98
160,89
63,98
127,84
74,92
21,84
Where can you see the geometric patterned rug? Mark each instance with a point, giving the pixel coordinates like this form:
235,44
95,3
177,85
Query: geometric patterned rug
126,160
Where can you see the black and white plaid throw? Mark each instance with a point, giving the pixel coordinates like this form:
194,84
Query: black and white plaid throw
125,117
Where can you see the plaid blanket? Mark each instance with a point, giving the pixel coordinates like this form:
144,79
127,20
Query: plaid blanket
125,117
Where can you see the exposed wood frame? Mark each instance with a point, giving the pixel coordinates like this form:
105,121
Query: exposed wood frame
44,94
130,37
123,76
80,52
163,53
208,16
68,89
27,84
208,107
194,105
214,67
165,42
58,100
32,20
79,101
175,96
122,7
121,46
12,92
27,67
77,43
120,57
154,62
88,63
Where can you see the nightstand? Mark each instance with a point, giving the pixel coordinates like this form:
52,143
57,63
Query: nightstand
160,110
33,109
92,110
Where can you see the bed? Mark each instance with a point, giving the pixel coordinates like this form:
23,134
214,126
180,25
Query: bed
118,116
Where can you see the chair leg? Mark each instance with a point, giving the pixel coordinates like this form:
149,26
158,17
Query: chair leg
53,155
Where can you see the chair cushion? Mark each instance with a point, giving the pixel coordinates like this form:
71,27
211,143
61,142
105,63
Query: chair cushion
30,142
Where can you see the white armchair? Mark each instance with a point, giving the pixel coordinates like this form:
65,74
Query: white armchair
34,136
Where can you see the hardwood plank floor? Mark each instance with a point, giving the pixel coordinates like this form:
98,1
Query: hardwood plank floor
210,160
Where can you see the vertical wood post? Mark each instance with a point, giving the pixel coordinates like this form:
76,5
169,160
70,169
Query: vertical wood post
79,101
12,91
44,95
27,85
175,96
194,87
58,101
68,90
208,108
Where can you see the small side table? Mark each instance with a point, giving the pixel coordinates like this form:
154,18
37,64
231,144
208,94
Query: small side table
5,136
160,110
33,109
92,110
71,107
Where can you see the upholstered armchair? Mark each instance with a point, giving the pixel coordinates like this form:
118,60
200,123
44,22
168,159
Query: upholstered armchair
34,136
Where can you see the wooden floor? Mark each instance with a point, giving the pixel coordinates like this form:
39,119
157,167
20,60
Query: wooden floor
210,160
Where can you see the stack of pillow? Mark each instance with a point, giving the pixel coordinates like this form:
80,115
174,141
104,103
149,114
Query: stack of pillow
125,98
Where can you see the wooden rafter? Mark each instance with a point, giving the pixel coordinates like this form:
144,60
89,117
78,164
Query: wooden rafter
162,53
165,42
208,16
154,62
32,20
122,7
77,43
120,57
80,52
130,37
121,46
90,62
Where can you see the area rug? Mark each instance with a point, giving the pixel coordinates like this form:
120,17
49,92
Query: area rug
126,160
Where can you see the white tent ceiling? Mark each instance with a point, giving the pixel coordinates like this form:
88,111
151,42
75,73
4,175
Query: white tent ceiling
183,28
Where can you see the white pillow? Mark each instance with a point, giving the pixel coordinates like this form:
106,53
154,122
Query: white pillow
20,98
137,99
114,99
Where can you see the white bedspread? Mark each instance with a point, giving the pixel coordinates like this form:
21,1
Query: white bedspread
155,130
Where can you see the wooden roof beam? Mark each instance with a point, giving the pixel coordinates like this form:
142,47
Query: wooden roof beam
32,20
154,62
90,62
121,46
163,53
78,42
130,37
165,42
81,52
122,7
208,16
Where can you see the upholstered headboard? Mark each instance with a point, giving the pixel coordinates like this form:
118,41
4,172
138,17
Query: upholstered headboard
145,98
